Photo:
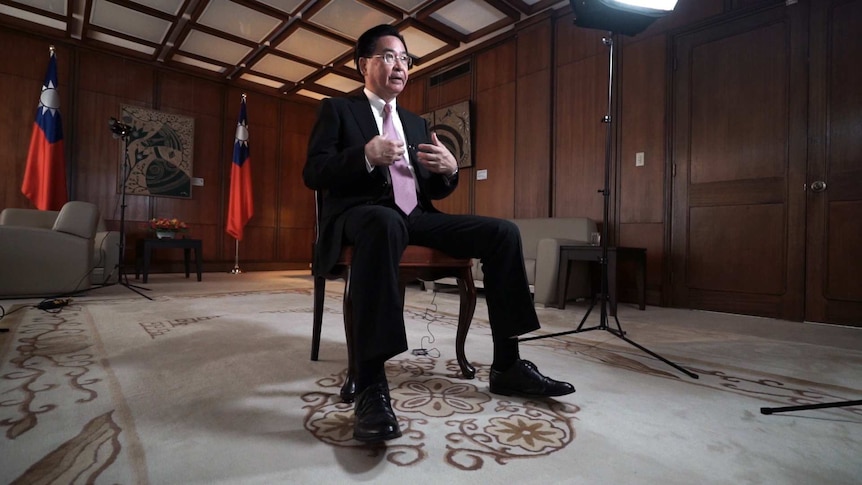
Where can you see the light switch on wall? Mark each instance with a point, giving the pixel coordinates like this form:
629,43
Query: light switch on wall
639,159
482,174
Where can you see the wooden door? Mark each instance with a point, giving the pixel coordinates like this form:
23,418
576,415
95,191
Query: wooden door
834,246
738,159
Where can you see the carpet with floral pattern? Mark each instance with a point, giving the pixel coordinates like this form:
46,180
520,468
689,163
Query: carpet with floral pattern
217,387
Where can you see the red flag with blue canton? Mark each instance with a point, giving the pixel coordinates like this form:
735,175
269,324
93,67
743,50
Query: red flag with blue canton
45,174
240,204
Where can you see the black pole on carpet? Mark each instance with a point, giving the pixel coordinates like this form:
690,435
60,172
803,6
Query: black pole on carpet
786,409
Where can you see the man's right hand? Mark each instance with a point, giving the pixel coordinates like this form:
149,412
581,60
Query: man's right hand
383,151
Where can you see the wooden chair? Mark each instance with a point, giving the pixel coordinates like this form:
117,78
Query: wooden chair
417,262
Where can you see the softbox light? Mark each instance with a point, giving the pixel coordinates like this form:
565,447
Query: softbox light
627,17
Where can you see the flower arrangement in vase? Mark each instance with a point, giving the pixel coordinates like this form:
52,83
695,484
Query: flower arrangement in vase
166,228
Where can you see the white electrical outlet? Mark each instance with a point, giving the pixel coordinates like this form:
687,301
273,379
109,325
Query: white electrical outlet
482,174
639,159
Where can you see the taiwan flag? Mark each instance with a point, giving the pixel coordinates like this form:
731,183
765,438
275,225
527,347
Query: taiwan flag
240,205
45,173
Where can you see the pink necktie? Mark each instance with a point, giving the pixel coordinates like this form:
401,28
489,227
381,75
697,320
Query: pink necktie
402,179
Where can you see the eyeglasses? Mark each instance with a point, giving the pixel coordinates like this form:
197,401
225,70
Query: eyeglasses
390,57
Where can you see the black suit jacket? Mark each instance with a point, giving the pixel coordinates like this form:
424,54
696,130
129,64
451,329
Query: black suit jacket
336,169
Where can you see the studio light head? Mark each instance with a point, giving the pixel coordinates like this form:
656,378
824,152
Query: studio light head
118,129
627,17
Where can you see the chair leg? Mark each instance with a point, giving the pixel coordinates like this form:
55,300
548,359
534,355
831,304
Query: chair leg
348,390
319,292
467,291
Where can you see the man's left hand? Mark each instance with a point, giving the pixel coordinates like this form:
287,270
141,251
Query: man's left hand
436,157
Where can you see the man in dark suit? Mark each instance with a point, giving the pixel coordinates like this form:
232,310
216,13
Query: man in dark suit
377,170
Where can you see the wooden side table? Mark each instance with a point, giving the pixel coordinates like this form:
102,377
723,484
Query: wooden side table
146,246
593,254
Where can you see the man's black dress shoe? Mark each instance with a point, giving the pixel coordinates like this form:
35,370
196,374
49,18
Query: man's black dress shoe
524,379
374,419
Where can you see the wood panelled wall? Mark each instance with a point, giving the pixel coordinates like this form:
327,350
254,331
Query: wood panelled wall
94,85
538,94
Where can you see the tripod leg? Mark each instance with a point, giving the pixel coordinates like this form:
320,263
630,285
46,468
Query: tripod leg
810,406
136,289
567,332
650,352
590,309
619,327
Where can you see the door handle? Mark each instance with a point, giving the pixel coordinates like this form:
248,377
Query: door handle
818,186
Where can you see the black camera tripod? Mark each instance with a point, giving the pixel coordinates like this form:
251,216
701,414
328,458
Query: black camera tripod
603,261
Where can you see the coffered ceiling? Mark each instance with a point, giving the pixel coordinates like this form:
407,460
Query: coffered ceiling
302,47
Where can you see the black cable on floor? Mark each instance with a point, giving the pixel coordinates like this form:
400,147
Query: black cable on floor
432,352
49,305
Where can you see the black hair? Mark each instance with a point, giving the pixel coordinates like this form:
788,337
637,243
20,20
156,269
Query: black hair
367,42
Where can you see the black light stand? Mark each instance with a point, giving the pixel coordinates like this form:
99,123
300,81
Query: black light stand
124,131
603,261
804,407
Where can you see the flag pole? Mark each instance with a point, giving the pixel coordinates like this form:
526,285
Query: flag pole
240,202
45,183
236,269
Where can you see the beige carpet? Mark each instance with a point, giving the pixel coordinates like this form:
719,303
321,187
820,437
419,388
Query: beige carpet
212,383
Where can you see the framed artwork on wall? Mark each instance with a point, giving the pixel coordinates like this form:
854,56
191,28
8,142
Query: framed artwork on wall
452,125
158,153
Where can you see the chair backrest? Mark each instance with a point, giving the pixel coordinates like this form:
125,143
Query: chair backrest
78,218
11,216
28,218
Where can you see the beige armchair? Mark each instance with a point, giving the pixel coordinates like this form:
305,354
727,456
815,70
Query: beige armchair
47,253
542,238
